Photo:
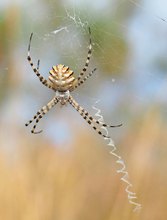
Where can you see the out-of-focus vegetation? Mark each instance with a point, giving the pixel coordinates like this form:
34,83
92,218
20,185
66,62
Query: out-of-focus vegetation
42,179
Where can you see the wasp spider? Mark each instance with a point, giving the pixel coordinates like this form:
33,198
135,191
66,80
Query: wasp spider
63,82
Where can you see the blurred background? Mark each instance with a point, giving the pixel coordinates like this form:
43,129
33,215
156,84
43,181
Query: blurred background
66,172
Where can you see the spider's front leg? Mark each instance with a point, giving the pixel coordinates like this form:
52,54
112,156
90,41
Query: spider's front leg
36,70
96,125
38,116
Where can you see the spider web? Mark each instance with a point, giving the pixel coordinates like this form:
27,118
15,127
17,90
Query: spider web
132,197
129,51
125,81
68,45
66,40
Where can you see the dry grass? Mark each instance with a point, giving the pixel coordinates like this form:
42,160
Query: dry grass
45,182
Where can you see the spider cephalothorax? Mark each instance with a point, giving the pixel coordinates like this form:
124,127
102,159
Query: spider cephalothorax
62,81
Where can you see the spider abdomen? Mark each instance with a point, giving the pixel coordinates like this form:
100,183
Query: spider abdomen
62,78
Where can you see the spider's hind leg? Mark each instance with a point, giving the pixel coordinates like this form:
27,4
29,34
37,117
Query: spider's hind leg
81,81
88,57
36,70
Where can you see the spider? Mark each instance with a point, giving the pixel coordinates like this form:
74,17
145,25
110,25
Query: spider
63,82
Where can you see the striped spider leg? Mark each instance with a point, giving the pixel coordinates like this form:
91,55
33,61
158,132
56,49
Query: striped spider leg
95,124
38,63
38,116
36,70
63,82
81,79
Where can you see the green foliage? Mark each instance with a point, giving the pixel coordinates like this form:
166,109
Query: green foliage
111,47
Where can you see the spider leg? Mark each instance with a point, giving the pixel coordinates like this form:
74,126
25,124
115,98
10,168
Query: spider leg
81,81
44,111
41,113
86,116
99,122
36,70
38,63
35,116
88,58
89,117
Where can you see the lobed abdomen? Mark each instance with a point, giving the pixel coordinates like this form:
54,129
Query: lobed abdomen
62,78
